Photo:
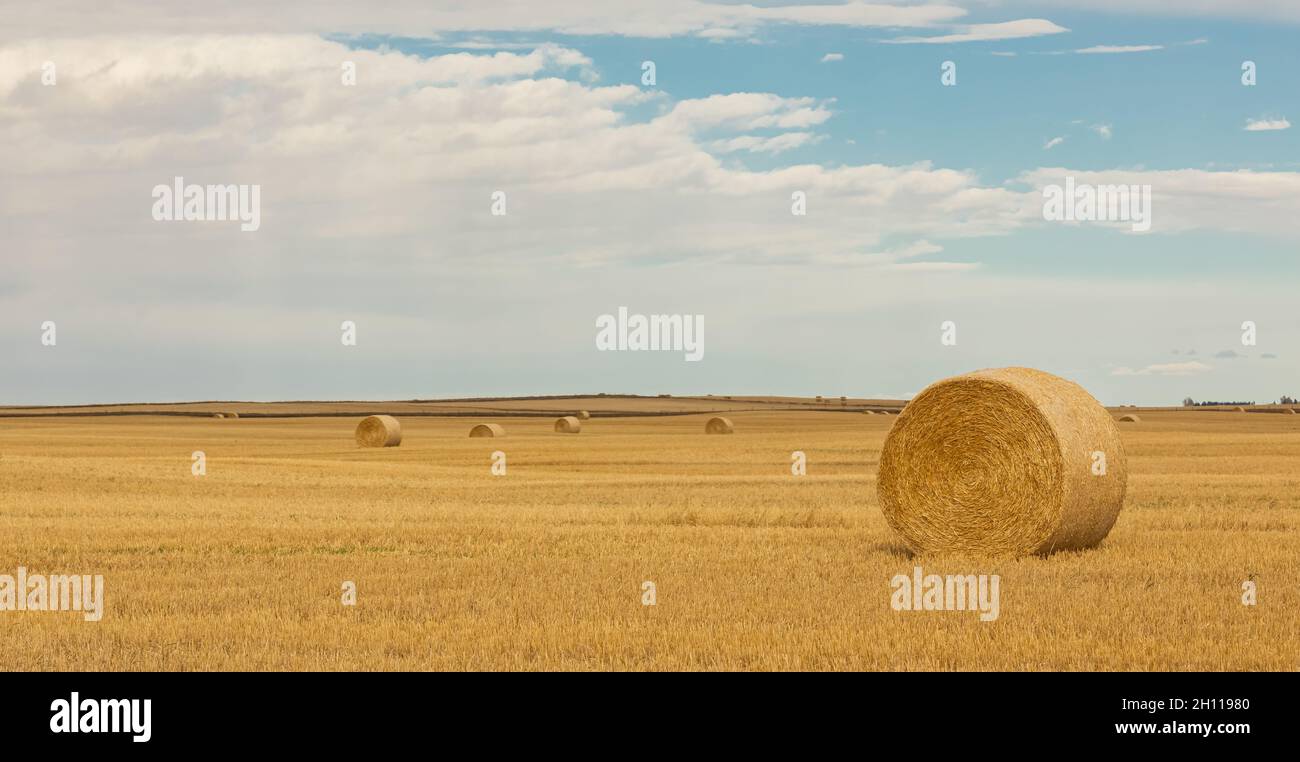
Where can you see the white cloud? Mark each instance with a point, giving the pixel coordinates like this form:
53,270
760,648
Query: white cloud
1054,142
1120,49
1003,53
1183,200
756,144
829,57
420,18
1006,30
1264,125
1165,369
1104,130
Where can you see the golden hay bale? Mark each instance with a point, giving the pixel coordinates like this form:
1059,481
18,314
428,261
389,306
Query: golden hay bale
232,415
868,412
582,415
567,425
719,425
218,415
1130,418
1001,462
488,430
1289,411
1237,409
379,431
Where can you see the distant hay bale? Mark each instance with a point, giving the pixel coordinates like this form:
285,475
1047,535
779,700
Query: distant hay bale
1289,411
868,412
487,430
1237,409
232,415
719,425
582,415
218,415
379,431
1001,462
567,425
1130,418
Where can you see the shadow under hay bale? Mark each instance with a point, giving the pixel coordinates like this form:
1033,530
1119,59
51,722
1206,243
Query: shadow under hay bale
1002,462
487,430
719,425
379,431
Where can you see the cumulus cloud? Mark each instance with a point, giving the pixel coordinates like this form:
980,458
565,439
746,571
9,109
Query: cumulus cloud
1104,130
1266,125
1243,201
665,18
1006,30
829,57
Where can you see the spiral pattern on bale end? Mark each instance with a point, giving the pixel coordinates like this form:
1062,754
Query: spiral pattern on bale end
487,430
719,425
568,425
379,431
1001,462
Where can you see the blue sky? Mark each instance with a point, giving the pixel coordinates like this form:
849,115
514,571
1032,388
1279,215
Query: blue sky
924,200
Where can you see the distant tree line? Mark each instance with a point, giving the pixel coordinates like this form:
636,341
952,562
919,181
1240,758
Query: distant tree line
1189,402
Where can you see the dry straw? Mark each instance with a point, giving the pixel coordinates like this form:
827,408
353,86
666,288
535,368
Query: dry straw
488,430
379,431
568,425
719,425
582,415
1238,410
1002,462
218,415
1130,418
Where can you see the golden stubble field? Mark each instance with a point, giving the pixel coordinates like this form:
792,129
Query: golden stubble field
542,568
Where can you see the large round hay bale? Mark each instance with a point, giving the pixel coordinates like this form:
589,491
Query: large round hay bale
379,431
719,425
1001,463
1130,418
582,415
488,430
568,425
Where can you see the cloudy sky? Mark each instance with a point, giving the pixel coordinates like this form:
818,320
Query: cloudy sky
924,201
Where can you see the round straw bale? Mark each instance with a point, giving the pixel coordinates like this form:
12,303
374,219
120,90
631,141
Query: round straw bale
582,415
1237,409
487,430
1288,411
1001,463
568,425
232,415
868,412
1130,418
719,425
379,431
218,415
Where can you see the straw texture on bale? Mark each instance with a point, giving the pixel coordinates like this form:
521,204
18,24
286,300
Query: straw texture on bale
1000,463
379,431
582,415
719,425
487,430
568,425
1130,418
231,415
218,415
